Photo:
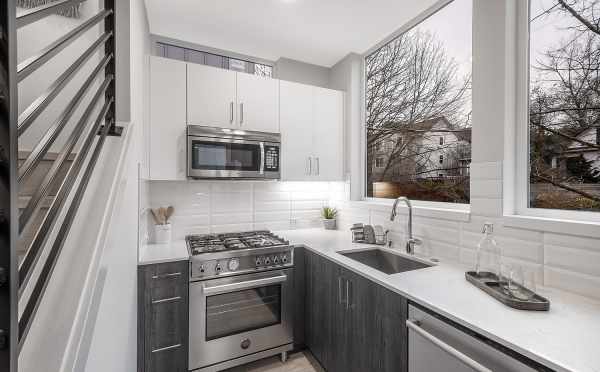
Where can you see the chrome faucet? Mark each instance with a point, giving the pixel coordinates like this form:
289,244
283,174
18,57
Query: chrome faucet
411,242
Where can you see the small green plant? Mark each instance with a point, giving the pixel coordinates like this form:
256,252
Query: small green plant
329,213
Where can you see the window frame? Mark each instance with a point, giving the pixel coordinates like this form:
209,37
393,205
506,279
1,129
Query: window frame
436,208
516,155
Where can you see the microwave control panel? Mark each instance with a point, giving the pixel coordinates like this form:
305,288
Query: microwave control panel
271,158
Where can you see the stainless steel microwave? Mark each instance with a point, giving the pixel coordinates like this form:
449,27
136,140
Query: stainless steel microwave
232,153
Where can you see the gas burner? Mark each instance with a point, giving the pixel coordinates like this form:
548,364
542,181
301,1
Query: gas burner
199,244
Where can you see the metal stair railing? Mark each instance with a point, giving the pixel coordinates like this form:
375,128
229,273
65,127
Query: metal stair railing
88,135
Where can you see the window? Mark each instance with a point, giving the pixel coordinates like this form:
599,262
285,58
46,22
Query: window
210,59
379,162
415,115
564,105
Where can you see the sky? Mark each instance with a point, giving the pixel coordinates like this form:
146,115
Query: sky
452,25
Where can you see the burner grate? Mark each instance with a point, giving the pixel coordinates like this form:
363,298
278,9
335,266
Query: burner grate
232,241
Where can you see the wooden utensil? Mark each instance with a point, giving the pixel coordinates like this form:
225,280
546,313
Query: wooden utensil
169,213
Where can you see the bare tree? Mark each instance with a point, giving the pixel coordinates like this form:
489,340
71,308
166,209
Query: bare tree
409,82
565,99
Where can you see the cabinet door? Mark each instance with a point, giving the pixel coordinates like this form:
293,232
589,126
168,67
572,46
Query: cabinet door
167,159
211,96
296,122
163,317
258,102
374,327
328,134
319,309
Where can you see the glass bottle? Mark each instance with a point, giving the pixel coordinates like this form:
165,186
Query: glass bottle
488,253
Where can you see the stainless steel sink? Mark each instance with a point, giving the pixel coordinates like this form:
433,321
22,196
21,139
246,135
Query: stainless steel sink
386,262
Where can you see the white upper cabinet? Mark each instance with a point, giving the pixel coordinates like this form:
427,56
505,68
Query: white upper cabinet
257,103
312,133
229,99
211,97
296,122
167,160
328,134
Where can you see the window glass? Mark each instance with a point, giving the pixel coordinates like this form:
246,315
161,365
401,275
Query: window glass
418,102
564,105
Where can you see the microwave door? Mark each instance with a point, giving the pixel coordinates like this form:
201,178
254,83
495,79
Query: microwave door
222,158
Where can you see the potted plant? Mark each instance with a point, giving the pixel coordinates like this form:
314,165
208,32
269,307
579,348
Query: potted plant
162,227
329,214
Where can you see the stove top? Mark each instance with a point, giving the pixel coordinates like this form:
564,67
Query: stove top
212,243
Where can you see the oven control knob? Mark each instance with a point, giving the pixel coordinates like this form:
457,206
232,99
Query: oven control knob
245,344
233,264
202,269
258,261
218,268
284,258
275,260
267,261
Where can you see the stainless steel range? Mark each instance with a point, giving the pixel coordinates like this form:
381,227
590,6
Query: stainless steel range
240,298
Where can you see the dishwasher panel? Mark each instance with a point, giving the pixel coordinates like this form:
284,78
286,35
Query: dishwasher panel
436,346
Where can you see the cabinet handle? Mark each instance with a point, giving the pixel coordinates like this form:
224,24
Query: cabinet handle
231,112
318,167
340,300
348,290
415,326
171,275
164,300
166,348
241,113
309,165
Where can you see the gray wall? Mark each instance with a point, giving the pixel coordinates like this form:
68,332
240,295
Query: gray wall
301,72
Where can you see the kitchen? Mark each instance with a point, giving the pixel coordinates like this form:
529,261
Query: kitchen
309,186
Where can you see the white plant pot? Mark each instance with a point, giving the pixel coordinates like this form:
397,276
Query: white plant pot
162,233
329,224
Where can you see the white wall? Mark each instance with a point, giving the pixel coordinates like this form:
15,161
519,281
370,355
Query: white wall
113,330
347,75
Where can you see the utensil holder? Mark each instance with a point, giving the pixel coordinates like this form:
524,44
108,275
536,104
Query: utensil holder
162,233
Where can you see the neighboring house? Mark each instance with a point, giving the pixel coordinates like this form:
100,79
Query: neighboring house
429,149
576,149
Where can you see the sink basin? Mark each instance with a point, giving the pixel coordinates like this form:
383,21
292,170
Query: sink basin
386,262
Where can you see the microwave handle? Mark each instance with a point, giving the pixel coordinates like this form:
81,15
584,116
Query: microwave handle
247,284
262,158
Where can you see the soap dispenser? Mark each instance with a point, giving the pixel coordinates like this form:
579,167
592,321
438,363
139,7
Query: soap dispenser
488,253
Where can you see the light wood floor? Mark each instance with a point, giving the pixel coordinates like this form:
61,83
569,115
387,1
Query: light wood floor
297,362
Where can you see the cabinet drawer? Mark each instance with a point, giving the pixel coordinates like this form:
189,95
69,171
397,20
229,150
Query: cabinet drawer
166,281
169,360
165,326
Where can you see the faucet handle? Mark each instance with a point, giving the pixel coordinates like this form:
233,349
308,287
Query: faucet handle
416,241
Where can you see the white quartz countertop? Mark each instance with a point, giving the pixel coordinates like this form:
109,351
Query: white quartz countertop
159,253
566,338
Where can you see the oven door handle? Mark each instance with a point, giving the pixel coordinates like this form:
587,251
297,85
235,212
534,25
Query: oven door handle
246,284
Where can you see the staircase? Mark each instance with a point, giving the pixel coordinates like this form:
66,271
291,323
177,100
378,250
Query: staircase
26,191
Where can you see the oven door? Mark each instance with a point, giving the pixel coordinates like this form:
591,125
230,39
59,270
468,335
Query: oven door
210,157
236,316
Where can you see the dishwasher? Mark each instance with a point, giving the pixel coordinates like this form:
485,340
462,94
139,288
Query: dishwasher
436,345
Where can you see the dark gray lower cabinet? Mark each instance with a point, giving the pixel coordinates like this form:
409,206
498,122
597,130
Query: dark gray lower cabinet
163,317
351,323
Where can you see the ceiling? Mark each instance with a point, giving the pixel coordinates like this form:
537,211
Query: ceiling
315,31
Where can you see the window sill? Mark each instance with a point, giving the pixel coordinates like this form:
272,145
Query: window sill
443,211
560,226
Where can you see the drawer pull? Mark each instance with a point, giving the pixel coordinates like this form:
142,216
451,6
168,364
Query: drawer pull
171,275
170,299
166,348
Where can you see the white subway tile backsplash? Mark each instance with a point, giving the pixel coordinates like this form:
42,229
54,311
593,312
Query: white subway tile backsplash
226,206
586,285
573,259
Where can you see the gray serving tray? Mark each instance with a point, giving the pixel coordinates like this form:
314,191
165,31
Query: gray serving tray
490,284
